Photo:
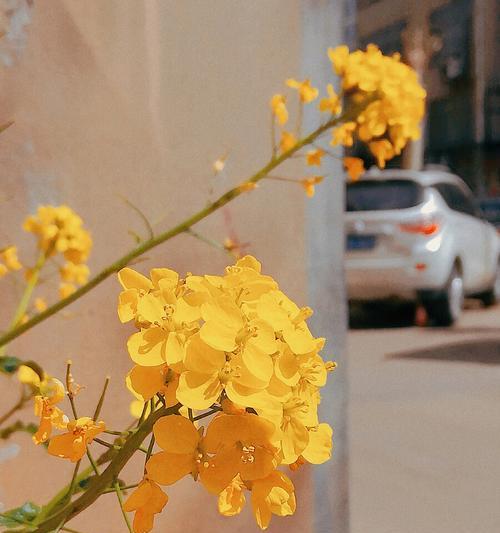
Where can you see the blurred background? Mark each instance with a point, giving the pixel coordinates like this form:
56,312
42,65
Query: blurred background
135,100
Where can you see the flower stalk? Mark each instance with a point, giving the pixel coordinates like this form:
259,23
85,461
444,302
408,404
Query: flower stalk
184,226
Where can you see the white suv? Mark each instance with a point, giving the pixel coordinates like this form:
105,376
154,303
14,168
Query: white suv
418,235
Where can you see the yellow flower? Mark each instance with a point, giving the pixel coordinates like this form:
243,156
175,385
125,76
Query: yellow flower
59,230
382,150
164,314
278,107
344,134
232,498
243,376
28,376
73,444
146,500
66,289
332,103
135,286
314,157
146,381
9,256
307,93
40,304
339,57
354,166
3,270
309,184
72,273
288,141
241,444
274,494
183,453
51,393
390,97
319,447
287,320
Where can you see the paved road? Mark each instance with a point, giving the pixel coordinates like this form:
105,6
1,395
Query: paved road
425,427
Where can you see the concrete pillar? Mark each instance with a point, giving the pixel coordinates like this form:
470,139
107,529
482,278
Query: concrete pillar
323,27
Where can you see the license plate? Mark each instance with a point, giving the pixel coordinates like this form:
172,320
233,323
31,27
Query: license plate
360,242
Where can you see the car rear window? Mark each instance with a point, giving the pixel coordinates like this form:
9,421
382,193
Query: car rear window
379,195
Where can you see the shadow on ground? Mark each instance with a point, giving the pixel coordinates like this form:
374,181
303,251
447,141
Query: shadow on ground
381,315
482,351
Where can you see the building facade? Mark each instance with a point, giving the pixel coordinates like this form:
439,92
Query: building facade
455,45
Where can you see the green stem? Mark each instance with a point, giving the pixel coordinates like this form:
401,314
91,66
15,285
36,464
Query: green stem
92,462
126,487
169,234
26,296
120,501
102,482
98,408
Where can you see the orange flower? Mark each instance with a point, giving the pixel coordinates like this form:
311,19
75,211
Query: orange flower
146,500
50,416
354,166
241,445
288,141
146,381
278,107
73,445
309,183
273,495
344,134
382,150
307,93
314,157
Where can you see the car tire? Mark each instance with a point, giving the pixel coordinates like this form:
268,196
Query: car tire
492,295
445,307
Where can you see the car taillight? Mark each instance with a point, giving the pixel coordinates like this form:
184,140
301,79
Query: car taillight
422,227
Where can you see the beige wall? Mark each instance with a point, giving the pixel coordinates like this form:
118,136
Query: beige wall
138,98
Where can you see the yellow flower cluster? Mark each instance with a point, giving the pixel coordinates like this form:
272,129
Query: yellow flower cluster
237,346
60,230
9,260
397,100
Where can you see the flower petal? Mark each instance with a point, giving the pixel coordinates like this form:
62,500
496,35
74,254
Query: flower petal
147,347
167,468
176,434
130,279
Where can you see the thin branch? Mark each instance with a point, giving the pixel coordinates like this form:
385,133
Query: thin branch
204,239
98,408
143,217
120,501
126,487
149,451
208,413
104,443
93,464
179,228
73,479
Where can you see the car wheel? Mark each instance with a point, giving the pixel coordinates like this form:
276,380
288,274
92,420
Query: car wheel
492,295
445,307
